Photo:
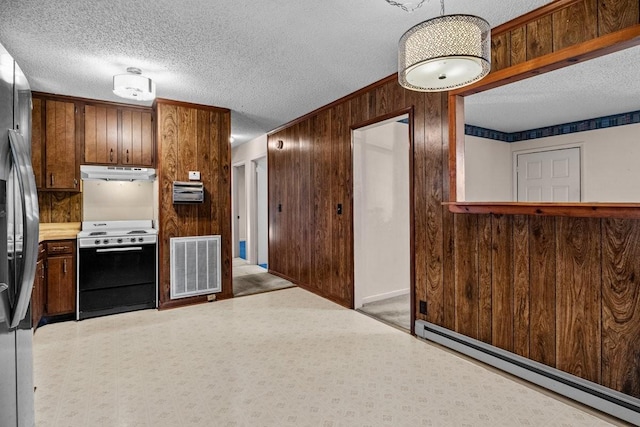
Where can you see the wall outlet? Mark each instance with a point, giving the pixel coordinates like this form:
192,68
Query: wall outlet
211,297
194,175
423,307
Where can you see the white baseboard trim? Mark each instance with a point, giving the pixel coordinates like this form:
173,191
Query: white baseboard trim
386,295
589,393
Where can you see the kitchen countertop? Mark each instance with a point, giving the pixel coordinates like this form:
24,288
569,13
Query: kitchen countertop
58,230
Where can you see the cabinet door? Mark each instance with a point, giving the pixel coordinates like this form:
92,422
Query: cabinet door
100,135
61,286
37,141
60,146
137,138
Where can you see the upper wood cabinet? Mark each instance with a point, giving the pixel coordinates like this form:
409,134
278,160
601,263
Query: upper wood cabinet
100,134
116,135
54,144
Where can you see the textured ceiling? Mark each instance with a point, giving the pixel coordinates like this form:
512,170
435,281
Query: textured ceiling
269,61
600,87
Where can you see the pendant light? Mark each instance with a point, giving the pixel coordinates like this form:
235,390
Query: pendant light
444,53
134,85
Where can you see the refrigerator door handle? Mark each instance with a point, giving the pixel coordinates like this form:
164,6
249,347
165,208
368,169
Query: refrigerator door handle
30,218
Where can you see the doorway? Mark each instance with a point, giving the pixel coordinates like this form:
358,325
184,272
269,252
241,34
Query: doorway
250,230
382,221
239,212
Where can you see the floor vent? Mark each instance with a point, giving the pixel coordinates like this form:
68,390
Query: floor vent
195,266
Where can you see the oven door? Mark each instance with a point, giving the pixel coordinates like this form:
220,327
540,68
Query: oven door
116,279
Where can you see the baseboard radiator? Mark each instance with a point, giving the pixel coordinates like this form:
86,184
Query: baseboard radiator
601,398
195,266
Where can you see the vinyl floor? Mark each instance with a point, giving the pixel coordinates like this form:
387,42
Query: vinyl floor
282,358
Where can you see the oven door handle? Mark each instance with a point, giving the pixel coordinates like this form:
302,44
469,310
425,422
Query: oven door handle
127,249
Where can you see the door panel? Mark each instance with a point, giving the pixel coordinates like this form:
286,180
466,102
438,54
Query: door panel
549,176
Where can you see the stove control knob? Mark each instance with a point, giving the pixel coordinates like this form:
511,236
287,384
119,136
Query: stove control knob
133,240
140,239
97,242
119,240
105,241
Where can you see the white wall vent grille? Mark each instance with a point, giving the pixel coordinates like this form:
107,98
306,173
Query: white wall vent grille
195,266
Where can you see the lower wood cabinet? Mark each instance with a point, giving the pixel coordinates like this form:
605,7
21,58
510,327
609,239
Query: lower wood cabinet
61,277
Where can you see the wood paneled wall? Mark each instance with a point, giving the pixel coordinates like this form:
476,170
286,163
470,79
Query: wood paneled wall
193,138
60,206
559,290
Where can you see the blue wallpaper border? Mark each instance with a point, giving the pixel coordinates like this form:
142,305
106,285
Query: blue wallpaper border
562,129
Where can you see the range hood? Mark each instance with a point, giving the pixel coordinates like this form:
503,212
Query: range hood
117,173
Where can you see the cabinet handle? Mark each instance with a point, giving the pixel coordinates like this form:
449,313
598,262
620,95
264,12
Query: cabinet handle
111,155
127,161
75,182
53,180
64,266
59,248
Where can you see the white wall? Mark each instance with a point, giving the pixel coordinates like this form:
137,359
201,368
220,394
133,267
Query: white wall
487,168
262,214
244,155
610,159
381,212
241,207
118,200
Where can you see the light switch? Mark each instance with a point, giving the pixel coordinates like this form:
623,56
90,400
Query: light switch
194,175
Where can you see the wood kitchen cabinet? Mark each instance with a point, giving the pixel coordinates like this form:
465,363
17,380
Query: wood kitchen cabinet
116,135
54,144
61,277
38,293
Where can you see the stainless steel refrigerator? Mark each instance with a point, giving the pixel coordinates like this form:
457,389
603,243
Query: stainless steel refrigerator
18,246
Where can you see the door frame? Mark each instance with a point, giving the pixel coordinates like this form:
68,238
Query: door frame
235,237
409,111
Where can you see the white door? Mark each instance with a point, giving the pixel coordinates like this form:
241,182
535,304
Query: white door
549,176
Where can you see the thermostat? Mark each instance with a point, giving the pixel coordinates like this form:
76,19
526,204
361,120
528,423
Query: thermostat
194,175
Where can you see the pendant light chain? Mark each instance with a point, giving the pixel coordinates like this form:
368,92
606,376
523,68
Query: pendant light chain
404,7
441,7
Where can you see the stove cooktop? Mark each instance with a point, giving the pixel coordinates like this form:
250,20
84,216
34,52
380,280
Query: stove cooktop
116,233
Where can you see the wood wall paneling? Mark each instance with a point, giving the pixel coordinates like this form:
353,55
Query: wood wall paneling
60,206
224,197
169,222
466,275
485,276
518,51
341,185
542,288
521,285
621,306
500,51
193,137
502,304
429,162
305,224
322,203
614,15
578,297
562,291
575,24
539,37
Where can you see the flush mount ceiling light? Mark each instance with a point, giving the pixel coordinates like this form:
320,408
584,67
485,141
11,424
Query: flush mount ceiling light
134,85
444,53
